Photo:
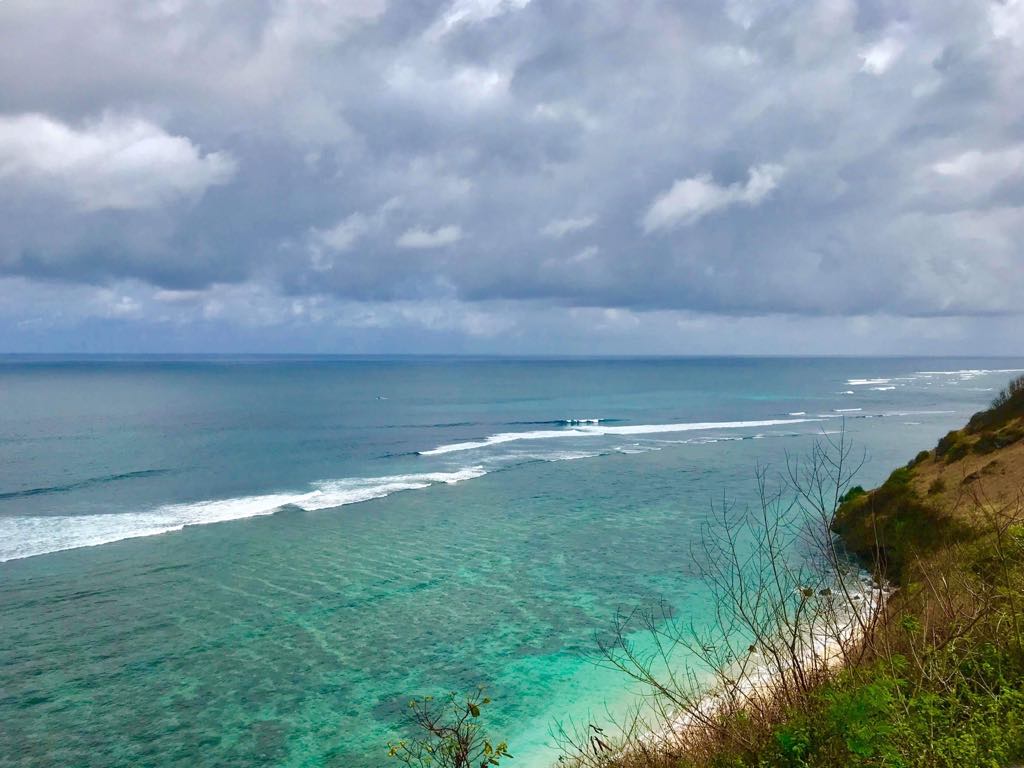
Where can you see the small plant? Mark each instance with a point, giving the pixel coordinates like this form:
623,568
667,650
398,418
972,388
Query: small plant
957,451
852,493
450,734
1012,390
938,485
899,479
946,442
921,457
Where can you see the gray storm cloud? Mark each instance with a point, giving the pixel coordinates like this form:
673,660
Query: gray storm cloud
498,160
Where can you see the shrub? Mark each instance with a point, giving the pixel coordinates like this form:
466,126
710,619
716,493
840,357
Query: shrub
899,479
921,457
985,444
957,451
1013,390
1007,405
991,441
946,442
852,494
793,743
860,715
1008,436
449,734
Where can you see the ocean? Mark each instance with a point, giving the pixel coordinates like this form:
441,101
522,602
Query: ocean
257,561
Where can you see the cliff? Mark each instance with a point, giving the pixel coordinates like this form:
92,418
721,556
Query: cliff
943,495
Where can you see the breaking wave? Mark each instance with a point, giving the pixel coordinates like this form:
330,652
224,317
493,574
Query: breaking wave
28,536
600,430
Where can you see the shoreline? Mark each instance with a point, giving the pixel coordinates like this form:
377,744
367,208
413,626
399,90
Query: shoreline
824,650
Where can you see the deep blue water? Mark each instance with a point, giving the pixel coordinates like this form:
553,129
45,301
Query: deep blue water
255,561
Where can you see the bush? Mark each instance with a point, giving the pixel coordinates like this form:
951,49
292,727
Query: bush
957,451
1013,390
899,480
946,442
921,457
1007,405
1008,436
449,734
852,494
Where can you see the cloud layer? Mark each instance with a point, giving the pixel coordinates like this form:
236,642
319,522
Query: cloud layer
464,167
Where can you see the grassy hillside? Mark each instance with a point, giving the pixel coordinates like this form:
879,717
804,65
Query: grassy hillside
942,683
943,496
939,680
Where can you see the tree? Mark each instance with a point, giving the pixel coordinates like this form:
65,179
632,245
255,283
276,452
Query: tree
449,734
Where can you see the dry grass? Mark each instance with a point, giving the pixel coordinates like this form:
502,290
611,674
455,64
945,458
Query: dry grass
1002,473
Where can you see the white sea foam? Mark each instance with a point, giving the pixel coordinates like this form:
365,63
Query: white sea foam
863,382
798,413
915,413
570,455
970,372
882,389
518,457
599,430
27,536
635,448
847,410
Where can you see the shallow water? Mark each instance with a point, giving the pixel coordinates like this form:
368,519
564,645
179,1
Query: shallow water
482,537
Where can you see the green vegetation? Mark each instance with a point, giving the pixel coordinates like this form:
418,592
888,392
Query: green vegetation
448,733
894,523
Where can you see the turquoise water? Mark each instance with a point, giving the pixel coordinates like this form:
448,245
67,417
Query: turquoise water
257,561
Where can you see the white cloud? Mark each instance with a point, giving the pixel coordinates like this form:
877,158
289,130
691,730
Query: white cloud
878,58
424,238
562,227
1007,20
466,88
472,11
586,254
116,305
294,29
118,162
324,243
691,199
979,171
343,235
177,297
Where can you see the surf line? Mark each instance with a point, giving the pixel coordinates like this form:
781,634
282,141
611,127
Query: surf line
601,429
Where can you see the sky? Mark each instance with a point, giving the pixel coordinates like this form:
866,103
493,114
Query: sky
512,176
